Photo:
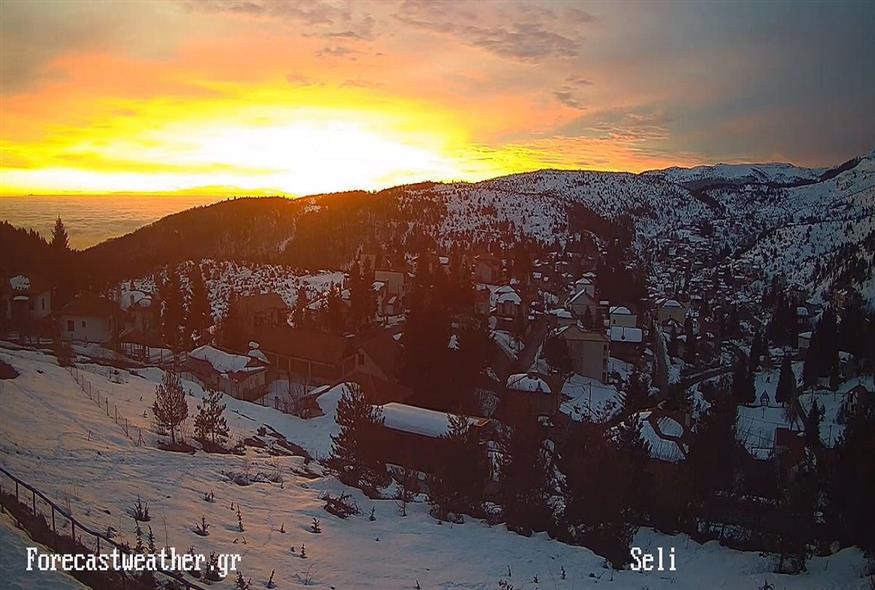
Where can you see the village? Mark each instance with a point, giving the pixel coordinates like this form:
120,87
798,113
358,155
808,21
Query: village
571,348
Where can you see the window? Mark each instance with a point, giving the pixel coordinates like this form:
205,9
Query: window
83,323
43,301
70,326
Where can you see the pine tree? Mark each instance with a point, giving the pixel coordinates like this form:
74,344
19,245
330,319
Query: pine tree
714,435
209,423
742,382
354,448
599,511
301,303
756,351
637,392
526,477
812,424
199,313
61,261
786,383
458,483
170,407
173,314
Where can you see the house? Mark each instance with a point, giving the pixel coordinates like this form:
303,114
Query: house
482,300
256,311
316,357
396,284
530,394
240,376
414,437
582,304
508,303
584,284
24,298
859,396
620,315
88,318
487,269
378,354
803,341
589,351
140,323
627,343
670,309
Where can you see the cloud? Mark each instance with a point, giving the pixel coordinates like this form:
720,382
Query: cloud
326,19
529,33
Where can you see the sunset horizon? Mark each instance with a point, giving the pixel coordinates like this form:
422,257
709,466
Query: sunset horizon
299,99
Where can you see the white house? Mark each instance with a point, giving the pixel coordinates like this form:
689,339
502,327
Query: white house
88,318
621,315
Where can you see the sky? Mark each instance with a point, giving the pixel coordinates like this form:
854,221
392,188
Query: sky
267,96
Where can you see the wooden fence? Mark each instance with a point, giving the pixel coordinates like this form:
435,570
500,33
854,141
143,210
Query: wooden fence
135,433
43,513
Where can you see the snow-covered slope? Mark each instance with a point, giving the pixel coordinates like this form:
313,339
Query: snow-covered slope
54,436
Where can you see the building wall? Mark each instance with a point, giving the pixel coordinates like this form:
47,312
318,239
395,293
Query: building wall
85,329
589,358
628,321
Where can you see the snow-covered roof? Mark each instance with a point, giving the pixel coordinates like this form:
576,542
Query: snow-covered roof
221,361
671,303
528,382
258,355
624,334
620,310
421,421
583,281
19,283
509,297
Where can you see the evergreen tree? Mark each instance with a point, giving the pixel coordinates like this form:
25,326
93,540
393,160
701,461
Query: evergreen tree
526,477
458,483
742,382
812,424
209,423
334,312
673,341
714,435
361,298
170,407
173,314
301,303
690,350
786,383
556,354
60,263
200,316
355,448
756,351
637,392
599,511
851,482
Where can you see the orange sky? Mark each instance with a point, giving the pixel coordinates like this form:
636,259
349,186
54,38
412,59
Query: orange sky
263,97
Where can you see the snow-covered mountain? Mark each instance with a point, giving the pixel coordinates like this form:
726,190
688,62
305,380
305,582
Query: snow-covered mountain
813,226
774,173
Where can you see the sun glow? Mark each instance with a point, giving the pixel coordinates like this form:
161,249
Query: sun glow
263,147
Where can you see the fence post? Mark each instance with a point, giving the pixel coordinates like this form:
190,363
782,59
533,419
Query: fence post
33,499
53,518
